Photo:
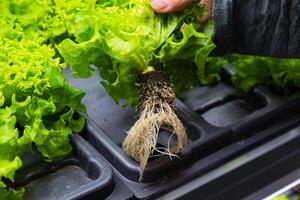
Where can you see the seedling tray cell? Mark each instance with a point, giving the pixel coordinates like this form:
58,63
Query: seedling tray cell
83,175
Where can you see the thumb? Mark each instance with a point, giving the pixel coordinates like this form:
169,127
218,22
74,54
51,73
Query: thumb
167,6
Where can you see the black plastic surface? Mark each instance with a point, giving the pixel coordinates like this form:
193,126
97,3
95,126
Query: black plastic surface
275,188
215,118
84,175
243,176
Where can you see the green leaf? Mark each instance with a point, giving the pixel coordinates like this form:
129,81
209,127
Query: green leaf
11,194
274,72
8,168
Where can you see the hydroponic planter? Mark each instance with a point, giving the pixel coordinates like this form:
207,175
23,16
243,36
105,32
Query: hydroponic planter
215,118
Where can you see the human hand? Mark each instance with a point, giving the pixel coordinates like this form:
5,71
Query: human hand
208,4
168,6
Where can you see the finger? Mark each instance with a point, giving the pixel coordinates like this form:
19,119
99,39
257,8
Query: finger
167,6
205,2
203,19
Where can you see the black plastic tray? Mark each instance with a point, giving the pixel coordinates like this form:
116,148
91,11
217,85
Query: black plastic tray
215,118
84,175
255,174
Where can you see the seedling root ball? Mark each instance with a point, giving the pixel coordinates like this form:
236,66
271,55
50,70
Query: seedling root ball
157,111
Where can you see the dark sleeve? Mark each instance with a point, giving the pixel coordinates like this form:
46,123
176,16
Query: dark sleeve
258,27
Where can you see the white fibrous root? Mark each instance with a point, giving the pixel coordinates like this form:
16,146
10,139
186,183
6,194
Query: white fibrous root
157,111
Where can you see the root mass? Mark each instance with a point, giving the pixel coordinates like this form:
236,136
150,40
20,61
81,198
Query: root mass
157,110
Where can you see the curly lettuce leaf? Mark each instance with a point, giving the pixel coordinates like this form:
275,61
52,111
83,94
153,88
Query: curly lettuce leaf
8,168
37,105
273,72
187,58
11,194
123,38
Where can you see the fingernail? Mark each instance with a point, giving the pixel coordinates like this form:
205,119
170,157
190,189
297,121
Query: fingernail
159,4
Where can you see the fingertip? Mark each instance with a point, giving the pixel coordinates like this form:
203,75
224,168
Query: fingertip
160,6
168,6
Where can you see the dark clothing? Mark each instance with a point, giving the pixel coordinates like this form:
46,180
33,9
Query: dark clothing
259,27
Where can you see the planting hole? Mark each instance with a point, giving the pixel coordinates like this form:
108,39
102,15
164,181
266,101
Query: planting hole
230,112
68,178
